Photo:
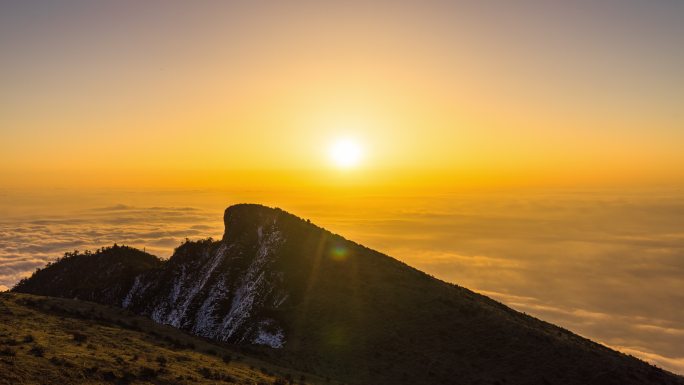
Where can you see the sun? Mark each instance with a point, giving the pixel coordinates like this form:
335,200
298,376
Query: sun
345,153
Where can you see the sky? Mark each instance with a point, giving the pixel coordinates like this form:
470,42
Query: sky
528,150
579,91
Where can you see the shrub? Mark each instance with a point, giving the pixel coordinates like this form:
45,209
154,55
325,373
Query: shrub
7,352
108,375
161,360
147,373
127,377
37,351
61,362
79,337
205,372
28,338
216,376
90,371
177,344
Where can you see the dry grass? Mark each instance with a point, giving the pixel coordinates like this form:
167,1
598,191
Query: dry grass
60,341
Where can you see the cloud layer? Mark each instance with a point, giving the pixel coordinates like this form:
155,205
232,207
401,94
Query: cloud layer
607,266
30,242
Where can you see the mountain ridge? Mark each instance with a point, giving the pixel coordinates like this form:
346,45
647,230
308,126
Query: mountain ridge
310,299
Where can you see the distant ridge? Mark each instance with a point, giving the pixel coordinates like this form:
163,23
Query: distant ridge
309,299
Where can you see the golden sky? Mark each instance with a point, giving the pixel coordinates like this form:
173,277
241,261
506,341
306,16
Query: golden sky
174,93
530,150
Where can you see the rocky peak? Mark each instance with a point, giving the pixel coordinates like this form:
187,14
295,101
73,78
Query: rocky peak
245,222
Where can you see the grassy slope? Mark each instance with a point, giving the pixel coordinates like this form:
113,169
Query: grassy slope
52,340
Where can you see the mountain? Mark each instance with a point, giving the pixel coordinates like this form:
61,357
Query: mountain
305,298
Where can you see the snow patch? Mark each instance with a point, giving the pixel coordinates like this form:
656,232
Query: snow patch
129,296
270,335
136,290
205,320
188,288
251,285
223,305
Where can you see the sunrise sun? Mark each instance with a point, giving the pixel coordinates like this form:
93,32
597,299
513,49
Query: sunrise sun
345,153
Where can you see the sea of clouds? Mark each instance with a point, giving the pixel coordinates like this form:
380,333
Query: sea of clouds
606,265
29,242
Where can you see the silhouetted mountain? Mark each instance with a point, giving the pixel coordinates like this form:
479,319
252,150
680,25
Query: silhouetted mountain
312,300
104,276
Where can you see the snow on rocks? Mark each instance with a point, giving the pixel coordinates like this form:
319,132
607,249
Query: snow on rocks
219,294
269,334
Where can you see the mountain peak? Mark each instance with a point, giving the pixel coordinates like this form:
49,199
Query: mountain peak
250,222
242,210
237,218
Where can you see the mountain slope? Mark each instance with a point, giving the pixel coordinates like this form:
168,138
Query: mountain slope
46,340
320,303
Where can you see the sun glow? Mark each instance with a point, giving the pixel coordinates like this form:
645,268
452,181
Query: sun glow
345,153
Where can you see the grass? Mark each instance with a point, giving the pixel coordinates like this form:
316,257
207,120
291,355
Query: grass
52,340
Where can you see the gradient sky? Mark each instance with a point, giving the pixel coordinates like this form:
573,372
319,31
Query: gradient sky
574,91
529,150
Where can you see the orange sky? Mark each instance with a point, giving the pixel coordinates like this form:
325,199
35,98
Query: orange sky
530,150
123,94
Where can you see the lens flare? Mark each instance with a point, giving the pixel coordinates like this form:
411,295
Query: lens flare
338,253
